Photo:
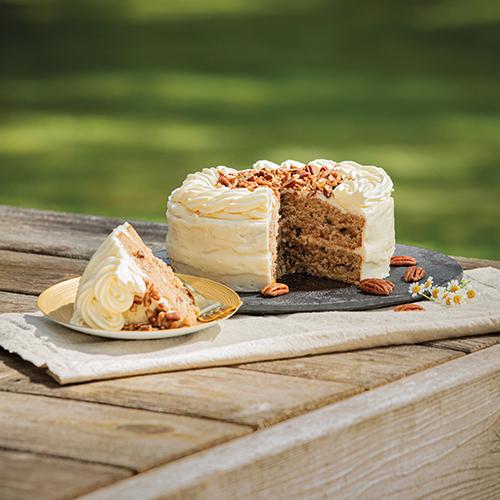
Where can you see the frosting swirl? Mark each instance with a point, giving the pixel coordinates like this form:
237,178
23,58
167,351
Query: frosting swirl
199,195
362,186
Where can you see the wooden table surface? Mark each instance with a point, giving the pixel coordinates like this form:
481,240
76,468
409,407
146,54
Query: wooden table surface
406,421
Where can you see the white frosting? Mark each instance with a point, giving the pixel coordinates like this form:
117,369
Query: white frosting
235,252
108,286
363,185
223,233
269,164
199,195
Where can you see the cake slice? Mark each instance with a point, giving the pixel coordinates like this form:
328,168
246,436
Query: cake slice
125,287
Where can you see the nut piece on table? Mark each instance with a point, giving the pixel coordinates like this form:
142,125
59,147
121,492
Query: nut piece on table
274,289
409,307
376,286
414,274
402,260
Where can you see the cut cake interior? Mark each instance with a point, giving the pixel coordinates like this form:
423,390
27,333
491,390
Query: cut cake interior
308,233
316,238
162,285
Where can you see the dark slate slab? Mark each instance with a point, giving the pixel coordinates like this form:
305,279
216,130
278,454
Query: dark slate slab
308,293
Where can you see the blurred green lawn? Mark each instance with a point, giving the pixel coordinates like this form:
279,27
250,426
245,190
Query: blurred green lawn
106,105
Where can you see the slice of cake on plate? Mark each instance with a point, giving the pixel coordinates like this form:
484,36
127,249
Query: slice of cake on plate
125,287
247,228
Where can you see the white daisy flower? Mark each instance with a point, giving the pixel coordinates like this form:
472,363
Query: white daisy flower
448,299
453,286
470,293
459,298
428,284
415,289
437,293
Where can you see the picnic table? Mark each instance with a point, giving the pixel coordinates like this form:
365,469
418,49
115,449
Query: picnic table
405,421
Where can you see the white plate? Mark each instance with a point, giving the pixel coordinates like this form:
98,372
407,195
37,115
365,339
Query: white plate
56,303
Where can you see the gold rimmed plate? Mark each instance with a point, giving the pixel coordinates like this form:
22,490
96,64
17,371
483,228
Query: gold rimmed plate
56,303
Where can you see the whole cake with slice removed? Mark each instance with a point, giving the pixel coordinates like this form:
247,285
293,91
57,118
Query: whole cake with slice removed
247,228
125,287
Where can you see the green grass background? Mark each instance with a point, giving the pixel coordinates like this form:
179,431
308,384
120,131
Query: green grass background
106,105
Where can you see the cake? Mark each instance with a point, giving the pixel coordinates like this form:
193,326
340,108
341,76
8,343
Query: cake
125,287
247,228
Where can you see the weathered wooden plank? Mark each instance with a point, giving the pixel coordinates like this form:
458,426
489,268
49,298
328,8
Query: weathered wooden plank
105,434
471,263
229,394
31,273
16,302
467,344
367,368
77,236
7,363
431,435
63,234
24,476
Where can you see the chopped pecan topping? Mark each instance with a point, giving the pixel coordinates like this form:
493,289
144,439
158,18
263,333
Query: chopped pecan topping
376,286
274,289
414,274
308,179
409,307
224,181
402,260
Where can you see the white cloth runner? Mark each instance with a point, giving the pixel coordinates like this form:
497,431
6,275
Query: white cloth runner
73,357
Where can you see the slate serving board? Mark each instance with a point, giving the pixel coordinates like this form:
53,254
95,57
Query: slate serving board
308,293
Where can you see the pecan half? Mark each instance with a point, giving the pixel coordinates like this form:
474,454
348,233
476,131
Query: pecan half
413,274
402,260
274,289
376,286
409,307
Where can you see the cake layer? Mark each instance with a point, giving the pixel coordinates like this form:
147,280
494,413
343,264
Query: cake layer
337,263
319,219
